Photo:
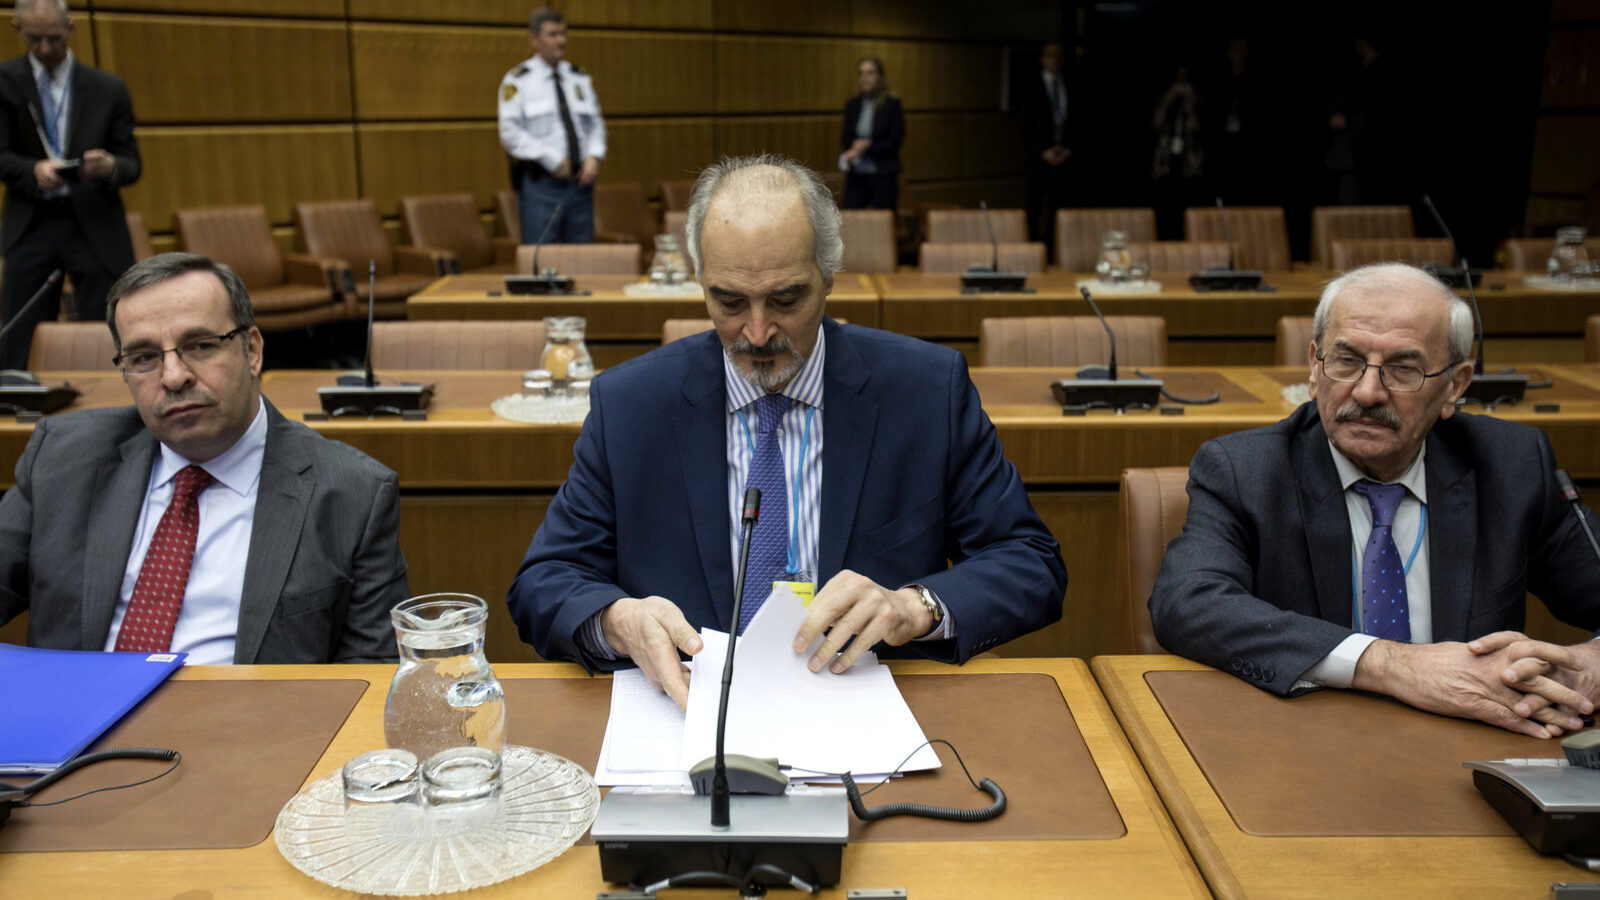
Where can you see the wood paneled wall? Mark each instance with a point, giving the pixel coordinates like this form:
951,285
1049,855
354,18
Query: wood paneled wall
276,101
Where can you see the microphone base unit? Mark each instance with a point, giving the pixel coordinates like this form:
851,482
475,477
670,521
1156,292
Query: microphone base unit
1226,280
405,400
989,281
1493,390
650,834
35,399
1086,393
539,285
1454,276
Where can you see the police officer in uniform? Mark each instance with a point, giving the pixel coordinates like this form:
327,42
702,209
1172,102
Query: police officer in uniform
551,128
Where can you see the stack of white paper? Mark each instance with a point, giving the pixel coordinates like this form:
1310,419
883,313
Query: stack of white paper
818,722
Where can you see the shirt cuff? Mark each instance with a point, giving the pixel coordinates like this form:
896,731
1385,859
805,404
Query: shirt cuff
591,637
1338,668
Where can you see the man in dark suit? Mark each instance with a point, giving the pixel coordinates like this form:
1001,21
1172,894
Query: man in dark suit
55,110
1045,120
883,468
200,519
1449,519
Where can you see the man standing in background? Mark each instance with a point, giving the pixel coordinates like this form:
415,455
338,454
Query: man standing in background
1046,142
551,128
66,148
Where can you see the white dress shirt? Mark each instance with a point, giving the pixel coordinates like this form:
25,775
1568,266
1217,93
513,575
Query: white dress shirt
208,623
60,95
530,116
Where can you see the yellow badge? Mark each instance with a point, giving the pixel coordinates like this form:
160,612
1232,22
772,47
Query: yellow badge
805,590
578,90
507,91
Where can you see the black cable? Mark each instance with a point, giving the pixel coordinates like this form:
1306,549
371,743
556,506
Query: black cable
176,758
1592,863
918,809
1193,401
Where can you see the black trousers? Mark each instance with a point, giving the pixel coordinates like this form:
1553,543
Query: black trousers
875,190
53,241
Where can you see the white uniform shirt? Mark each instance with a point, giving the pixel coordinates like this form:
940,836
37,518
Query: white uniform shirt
530,116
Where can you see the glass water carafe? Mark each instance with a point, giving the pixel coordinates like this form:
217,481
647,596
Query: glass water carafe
1115,262
1569,257
444,694
566,357
668,266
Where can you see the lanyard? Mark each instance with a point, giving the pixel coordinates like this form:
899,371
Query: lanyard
1355,565
793,567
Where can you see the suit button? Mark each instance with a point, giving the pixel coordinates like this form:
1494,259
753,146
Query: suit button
1268,675
1237,664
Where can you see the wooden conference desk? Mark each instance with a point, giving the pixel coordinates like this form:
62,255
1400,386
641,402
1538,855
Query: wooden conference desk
1331,794
474,487
1140,855
620,327
1223,327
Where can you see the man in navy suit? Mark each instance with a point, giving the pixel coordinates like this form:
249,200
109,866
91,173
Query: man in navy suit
639,546
1263,581
55,110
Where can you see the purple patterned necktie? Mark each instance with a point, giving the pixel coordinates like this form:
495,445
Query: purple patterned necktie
1384,613
769,543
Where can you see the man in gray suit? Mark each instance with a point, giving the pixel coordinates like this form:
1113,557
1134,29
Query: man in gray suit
1450,519
199,519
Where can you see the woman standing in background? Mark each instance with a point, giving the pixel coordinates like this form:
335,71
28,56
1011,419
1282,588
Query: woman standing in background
874,127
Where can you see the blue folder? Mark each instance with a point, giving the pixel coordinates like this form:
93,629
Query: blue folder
57,702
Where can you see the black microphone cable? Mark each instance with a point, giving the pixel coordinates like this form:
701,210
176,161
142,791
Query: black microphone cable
14,796
922,810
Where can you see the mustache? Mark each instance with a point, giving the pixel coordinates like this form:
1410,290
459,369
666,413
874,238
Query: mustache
183,398
778,344
1382,415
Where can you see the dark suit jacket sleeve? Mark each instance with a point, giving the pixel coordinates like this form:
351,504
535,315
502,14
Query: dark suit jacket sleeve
1562,568
570,570
1007,578
1205,605
16,531
118,133
379,572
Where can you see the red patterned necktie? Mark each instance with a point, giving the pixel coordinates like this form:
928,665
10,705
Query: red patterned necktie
158,594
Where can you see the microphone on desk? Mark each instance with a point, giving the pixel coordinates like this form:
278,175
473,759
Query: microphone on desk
20,392
544,283
977,278
750,511
353,395
1486,390
1096,387
1229,279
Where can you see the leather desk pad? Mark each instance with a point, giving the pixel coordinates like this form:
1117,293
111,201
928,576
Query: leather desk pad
1336,763
247,748
1013,728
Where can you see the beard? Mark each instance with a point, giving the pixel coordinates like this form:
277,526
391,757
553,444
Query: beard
767,375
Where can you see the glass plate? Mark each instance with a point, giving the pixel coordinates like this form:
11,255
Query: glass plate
548,803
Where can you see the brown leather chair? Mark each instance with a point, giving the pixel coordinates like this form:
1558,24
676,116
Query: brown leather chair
868,240
1152,504
457,345
449,228
351,232
286,292
72,346
1071,341
673,329
581,259
506,215
1591,339
622,215
1294,336
142,249
1258,231
1079,233
1350,223
675,194
960,226
1348,255
1531,254
1025,256
1179,256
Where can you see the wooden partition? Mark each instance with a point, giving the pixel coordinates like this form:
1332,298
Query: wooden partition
279,101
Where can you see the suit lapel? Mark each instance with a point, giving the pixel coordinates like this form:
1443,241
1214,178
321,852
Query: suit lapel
700,428
282,499
849,420
118,499
1452,538
78,100
1322,510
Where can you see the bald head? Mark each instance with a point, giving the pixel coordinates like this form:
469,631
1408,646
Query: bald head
760,192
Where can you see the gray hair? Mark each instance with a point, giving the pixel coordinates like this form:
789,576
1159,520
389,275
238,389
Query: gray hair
543,14
60,6
742,172
1381,278
167,266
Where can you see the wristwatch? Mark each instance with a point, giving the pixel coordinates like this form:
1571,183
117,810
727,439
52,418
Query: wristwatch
932,603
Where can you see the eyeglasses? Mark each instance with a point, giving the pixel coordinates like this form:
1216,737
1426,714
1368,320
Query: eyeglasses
1349,368
192,351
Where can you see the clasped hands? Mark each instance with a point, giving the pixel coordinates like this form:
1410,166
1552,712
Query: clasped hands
96,164
652,630
1506,679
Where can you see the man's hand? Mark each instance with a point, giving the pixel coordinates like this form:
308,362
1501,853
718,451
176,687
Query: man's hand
589,172
1449,679
650,631
1557,681
1056,155
854,605
564,170
98,164
44,172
